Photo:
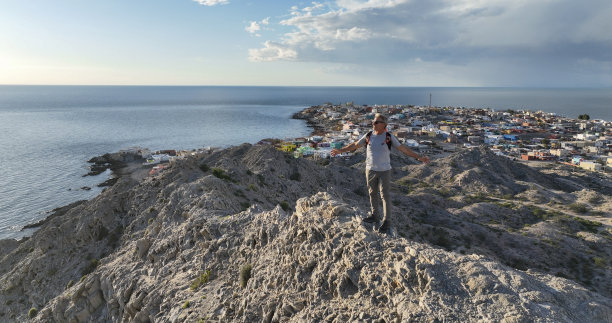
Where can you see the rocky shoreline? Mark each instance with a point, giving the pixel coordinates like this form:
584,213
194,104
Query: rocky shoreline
319,126
250,233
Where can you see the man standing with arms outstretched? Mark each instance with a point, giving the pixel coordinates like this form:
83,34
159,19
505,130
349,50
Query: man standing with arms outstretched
378,144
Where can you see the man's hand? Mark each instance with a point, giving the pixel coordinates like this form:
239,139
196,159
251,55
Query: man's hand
424,159
335,152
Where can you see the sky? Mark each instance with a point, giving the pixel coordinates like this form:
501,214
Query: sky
497,43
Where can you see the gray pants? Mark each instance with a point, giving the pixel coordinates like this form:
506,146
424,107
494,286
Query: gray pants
378,187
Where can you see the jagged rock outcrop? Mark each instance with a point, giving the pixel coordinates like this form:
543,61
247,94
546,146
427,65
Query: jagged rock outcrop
317,264
250,234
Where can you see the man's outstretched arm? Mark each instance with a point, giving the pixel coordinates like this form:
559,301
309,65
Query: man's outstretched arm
412,154
351,147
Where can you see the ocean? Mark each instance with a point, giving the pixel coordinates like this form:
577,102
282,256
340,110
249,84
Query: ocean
47,133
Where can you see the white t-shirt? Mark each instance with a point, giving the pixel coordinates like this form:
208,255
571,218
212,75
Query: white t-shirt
378,154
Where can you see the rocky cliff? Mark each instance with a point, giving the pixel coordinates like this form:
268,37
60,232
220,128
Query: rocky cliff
250,234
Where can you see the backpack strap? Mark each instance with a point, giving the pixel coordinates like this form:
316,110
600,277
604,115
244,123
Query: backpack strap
387,140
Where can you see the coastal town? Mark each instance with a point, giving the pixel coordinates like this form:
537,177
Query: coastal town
534,138
437,131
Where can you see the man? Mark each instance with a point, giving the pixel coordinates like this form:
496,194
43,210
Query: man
378,144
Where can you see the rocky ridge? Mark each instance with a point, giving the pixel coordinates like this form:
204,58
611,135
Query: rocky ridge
250,234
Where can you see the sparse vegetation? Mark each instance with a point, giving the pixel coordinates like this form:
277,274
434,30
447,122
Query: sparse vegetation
114,236
91,266
295,176
245,205
600,262
102,233
32,312
70,284
200,280
596,199
261,179
508,205
578,207
205,168
591,226
185,305
285,206
440,238
220,173
477,198
245,275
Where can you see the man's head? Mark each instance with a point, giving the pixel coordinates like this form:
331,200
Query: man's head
380,122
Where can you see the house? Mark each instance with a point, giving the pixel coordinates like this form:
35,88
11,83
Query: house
492,139
576,160
411,143
590,165
560,152
511,137
474,139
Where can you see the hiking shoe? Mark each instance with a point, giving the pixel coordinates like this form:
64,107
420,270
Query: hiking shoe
384,228
370,219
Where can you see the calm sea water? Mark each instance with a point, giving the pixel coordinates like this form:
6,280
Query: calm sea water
47,133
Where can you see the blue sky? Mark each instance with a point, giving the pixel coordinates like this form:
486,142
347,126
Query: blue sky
527,43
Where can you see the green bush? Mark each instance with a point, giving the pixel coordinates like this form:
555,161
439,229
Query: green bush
185,305
102,233
115,236
220,173
596,199
295,176
261,179
589,225
508,205
285,206
245,205
205,168
578,207
91,266
200,280
600,262
32,312
245,275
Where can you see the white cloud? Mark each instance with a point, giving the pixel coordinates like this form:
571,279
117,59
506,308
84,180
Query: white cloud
272,52
211,3
536,35
255,26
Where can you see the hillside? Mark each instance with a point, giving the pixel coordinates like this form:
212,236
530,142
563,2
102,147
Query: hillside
250,234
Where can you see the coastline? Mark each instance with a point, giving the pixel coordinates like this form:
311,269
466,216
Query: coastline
128,165
219,211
